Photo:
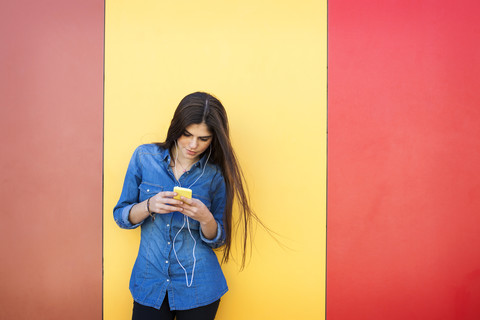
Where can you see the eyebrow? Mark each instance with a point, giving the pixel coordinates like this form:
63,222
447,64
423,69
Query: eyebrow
199,137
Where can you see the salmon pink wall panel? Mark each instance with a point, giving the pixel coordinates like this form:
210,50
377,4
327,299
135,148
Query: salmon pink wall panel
403,238
51,98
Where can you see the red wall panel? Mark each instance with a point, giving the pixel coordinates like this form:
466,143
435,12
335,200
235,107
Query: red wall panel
403,220
51,97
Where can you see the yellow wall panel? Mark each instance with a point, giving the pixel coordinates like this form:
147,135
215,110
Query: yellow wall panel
266,61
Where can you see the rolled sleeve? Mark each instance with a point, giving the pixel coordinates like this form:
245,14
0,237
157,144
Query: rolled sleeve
129,196
122,218
219,239
219,198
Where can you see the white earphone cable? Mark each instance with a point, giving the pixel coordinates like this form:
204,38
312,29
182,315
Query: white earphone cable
186,219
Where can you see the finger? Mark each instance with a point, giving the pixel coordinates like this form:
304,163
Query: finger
168,194
171,201
173,209
185,207
164,204
190,210
187,200
168,208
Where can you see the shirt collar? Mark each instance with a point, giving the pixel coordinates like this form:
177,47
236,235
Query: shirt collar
202,161
165,155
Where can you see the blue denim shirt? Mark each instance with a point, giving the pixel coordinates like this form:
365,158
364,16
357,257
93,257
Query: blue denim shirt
156,270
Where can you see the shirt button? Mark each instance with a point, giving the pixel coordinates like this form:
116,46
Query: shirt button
148,190
168,280
166,261
168,242
168,225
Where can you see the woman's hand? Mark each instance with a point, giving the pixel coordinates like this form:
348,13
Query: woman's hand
195,209
163,202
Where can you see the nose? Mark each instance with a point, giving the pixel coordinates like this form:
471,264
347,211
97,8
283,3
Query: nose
193,143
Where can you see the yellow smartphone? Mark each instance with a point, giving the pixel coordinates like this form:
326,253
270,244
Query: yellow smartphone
187,193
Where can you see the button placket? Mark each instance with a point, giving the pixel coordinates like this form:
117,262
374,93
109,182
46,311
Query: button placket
169,249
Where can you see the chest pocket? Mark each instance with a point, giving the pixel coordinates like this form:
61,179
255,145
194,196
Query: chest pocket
148,190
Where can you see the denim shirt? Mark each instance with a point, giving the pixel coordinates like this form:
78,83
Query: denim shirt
157,270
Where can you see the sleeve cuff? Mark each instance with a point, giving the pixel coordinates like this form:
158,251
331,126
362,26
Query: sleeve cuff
216,242
124,222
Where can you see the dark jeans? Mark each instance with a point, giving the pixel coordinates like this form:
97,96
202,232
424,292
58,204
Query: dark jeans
141,312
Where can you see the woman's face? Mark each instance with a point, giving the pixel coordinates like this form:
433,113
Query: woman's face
193,142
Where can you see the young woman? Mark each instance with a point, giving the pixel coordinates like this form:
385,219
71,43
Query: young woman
176,273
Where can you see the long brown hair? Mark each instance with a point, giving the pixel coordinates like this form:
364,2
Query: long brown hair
201,107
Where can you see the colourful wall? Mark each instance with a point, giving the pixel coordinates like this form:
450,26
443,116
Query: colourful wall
51,65
266,61
403,160
403,150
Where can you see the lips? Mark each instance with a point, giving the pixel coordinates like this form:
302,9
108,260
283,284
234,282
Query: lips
191,153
